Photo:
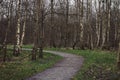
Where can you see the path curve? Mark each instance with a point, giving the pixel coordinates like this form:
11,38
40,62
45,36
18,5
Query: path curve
63,70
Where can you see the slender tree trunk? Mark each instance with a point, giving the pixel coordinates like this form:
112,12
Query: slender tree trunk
103,27
66,23
7,30
17,49
41,39
23,34
109,19
52,28
76,37
5,53
35,46
98,23
24,26
41,28
4,43
90,42
81,20
81,35
118,59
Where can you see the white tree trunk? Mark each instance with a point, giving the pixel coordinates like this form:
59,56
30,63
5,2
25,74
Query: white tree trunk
18,31
24,26
23,34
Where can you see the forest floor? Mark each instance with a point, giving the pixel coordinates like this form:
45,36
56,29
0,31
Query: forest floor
63,70
98,65
22,67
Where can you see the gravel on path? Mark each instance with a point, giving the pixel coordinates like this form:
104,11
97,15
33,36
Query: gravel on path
63,70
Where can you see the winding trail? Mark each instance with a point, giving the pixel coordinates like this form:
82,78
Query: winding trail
63,70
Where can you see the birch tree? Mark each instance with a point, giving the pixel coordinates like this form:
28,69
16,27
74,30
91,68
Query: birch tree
17,46
98,14
24,24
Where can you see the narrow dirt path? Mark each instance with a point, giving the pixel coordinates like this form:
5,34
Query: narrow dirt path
63,70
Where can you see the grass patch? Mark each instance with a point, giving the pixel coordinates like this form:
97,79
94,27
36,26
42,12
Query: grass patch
100,58
20,68
30,46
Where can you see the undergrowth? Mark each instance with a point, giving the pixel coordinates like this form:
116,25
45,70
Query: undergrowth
20,68
98,65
